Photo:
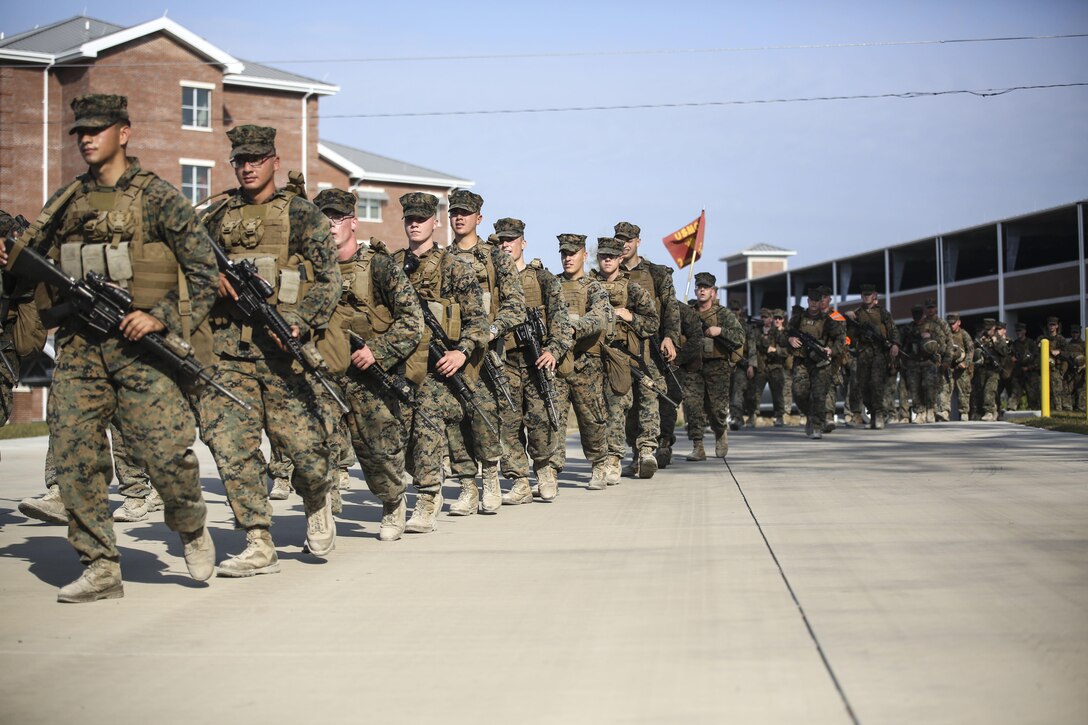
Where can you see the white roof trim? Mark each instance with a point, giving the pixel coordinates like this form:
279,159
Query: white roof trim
163,24
25,55
321,89
353,170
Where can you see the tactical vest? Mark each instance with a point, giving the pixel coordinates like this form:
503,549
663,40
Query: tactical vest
814,326
427,280
479,257
534,297
574,294
709,317
873,318
370,316
103,232
642,277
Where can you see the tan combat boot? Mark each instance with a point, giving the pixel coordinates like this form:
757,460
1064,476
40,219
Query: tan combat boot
425,512
492,499
48,508
132,510
259,556
519,493
468,501
721,445
631,469
100,580
281,489
612,472
392,520
199,553
344,482
598,479
647,463
698,453
320,528
547,485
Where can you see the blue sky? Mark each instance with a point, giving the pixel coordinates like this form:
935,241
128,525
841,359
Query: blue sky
823,178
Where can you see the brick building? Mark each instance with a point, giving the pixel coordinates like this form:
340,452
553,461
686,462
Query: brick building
379,182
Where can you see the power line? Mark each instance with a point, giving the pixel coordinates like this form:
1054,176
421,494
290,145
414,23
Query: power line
590,53
979,93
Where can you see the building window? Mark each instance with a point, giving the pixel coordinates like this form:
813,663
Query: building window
196,107
196,180
368,207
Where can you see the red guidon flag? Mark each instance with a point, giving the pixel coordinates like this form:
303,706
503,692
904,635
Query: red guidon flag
686,245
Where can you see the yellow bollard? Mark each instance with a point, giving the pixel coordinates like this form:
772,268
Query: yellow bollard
1044,377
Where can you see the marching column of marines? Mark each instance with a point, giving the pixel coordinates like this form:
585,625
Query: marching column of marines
267,316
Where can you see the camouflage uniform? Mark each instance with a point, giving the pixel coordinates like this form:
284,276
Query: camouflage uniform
874,359
98,379
922,343
21,331
708,392
769,347
472,444
1058,399
1023,354
446,283
689,358
289,240
644,419
961,360
989,367
811,394
622,292
583,388
526,427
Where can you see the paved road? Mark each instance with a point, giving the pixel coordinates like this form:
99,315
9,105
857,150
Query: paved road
942,579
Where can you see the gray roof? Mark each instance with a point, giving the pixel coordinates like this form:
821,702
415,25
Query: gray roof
66,35
374,163
61,36
766,248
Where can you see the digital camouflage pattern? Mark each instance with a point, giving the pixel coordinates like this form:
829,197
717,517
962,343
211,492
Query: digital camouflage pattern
252,140
922,368
297,416
98,110
988,372
874,360
810,390
963,352
467,200
98,380
706,394
337,200
525,428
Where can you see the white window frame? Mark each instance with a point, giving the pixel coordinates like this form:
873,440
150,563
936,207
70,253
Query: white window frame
201,86
195,163
363,190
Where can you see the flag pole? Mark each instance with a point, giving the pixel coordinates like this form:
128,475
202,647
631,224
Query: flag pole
698,238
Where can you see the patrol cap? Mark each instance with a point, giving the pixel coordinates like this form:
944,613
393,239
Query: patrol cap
336,200
952,317
1001,325
609,245
868,289
917,308
1021,326
419,204
988,322
252,140
825,291
1053,321
814,291
98,110
627,230
705,279
764,311
779,312
571,242
509,228
734,305
931,302
466,200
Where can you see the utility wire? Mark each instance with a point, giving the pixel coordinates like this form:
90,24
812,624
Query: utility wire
589,53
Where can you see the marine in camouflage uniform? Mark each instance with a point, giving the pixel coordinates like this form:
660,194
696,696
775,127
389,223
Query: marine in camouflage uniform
875,359
473,444
280,468
635,321
768,356
922,346
378,315
944,365
689,358
448,286
738,380
961,358
141,233
1074,378
707,395
755,374
811,396
1058,400
989,360
581,380
1025,357
644,420
21,330
526,428
288,240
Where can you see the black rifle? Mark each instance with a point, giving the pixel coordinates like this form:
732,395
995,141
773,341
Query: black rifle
870,334
253,291
816,351
987,354
20,225
672,383
529,336
721,341
642,372
396,386
493,371
102,306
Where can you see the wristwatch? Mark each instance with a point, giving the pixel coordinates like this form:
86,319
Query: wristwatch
494,330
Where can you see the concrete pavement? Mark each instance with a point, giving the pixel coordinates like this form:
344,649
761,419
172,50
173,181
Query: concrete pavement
924,574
